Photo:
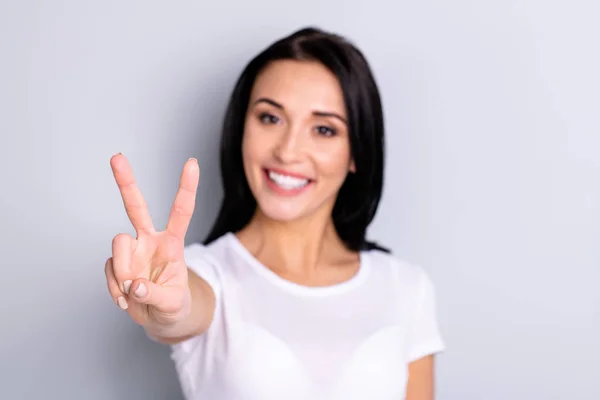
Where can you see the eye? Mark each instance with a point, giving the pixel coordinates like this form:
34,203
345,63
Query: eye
267,118
325,131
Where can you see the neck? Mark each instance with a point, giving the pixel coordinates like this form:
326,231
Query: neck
297,247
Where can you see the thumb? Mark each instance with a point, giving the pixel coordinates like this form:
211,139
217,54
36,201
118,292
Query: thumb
166,299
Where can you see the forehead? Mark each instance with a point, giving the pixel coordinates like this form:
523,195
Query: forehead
300,85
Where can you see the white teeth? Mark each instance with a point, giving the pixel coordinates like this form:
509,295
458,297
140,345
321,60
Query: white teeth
287,182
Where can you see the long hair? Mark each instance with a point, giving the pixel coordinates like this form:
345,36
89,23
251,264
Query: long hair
359,195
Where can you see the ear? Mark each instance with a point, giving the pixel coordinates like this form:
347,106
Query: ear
352,167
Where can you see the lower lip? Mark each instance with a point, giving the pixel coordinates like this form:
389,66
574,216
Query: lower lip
285,192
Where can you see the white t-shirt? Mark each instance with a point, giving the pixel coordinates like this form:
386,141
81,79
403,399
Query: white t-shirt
272,339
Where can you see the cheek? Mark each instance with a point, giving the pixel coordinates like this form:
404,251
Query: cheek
334,163
250,147
254,152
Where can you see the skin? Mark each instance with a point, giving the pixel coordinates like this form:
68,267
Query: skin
421,383
296,122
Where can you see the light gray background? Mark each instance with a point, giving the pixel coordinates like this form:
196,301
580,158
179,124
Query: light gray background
492,180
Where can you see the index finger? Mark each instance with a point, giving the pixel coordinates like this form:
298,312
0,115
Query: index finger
185,200
134,202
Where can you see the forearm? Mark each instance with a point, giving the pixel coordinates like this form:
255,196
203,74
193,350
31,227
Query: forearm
421,379
197,319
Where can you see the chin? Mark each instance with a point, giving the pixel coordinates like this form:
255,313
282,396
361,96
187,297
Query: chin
280,211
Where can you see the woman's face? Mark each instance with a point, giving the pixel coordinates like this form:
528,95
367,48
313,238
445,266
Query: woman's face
296,148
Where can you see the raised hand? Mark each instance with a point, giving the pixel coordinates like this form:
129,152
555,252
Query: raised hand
147,275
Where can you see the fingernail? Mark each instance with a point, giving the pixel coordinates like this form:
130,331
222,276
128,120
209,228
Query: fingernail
141,291
122,302
126,286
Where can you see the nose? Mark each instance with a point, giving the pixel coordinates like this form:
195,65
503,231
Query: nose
289,146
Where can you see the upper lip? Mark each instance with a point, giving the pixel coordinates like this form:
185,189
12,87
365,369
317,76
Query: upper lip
288,173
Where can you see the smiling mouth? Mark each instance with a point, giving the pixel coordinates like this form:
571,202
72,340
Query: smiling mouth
286,182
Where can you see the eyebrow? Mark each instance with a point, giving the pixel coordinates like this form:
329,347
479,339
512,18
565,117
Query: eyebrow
316,113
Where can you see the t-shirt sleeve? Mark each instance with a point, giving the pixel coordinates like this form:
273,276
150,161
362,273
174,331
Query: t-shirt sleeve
424,336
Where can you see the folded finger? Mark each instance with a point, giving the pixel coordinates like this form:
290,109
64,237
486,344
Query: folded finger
167,299
122,255
113,286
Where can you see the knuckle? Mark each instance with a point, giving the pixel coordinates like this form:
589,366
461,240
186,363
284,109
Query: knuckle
181,211
189,190
119,239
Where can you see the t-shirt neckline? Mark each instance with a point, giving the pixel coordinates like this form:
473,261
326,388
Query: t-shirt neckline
337,288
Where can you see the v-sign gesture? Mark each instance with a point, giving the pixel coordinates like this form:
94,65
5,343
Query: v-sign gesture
148,275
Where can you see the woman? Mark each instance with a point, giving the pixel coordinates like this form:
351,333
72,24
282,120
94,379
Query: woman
286,299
